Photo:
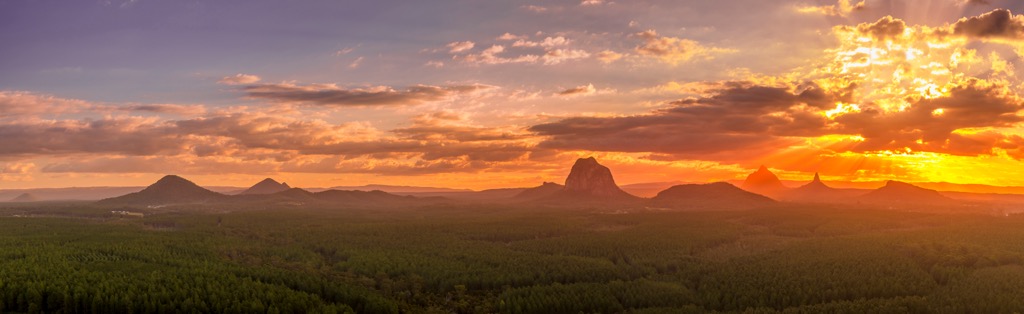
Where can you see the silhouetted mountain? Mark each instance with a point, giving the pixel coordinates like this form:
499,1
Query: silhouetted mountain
764,182
373,198
589,178
817,192
589,183
544,190
267,186
25,197
711,196
294,196
170,189
902,193
649,189
398,189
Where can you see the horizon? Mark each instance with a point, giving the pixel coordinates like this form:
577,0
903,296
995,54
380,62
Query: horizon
498,95
639,186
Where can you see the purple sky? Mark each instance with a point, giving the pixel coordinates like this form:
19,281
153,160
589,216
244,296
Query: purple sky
427,91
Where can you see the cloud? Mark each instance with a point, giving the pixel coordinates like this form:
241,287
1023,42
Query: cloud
548,42
17,168
585,90
998,24
332,95
183,110
344,51
557,56
460,46
130,135
21,103
608,56
841,9
971,104
510,37
974,2
17,171
673,50
492,56
743,120
356,63
591,2
239,79
739,118
535,8
886,28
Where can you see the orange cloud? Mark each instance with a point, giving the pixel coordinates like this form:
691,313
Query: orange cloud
673,50
841,9
239,79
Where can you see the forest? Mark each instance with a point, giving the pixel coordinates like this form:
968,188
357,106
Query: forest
79,258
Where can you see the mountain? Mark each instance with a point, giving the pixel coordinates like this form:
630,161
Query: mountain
397,189
267,186
589,183
170,189
589,178
25,198
817,192
373,199
902,193
649,189
711,196
764,182
544,190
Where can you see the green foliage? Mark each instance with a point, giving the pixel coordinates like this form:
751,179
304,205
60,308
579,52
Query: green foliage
507,260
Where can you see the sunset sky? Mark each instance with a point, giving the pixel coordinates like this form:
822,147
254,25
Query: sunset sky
484,94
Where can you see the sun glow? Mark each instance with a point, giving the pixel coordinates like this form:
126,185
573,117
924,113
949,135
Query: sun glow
889,70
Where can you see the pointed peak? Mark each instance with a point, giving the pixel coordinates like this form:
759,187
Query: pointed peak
268,180
816,178
285,184
762,169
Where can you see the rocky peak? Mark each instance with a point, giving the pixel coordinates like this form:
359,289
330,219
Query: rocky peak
267,186
763,180
591,178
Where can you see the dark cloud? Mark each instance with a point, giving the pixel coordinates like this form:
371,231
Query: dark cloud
999,23
131,136
742,120
330,95
184,110
740,116
579,90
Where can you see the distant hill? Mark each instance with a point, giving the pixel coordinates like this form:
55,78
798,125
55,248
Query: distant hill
25,198
817,192
764,182
73,193
267,186
170,189
649,189
397,189
175,190
901,193
366,197
711,196
544,190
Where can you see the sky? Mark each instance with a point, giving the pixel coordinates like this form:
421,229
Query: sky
487,94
